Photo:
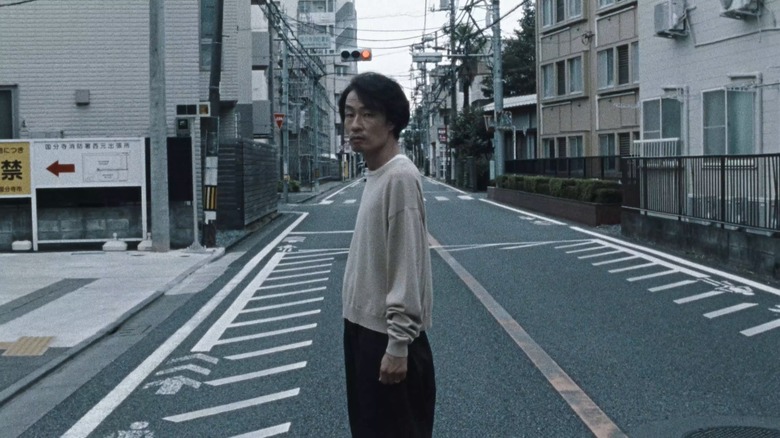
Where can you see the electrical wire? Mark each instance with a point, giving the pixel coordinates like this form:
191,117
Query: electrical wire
20,2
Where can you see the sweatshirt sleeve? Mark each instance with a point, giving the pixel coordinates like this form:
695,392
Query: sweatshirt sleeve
406,243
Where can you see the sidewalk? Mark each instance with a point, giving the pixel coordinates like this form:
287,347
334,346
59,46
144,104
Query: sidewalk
53,305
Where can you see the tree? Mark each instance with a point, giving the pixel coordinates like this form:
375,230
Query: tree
467,42
519,58
468,135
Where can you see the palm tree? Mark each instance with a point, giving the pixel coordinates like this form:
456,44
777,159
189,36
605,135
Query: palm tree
467,42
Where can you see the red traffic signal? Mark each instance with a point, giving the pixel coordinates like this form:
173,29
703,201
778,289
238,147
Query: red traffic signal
354,55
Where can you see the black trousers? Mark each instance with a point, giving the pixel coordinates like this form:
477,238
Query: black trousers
403,410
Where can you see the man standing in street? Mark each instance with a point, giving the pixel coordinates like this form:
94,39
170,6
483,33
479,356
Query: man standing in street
387,293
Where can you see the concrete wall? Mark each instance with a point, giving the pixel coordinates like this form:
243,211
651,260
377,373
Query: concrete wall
715,48
735,248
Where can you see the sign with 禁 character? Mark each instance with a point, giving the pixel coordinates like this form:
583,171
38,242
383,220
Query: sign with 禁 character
15,169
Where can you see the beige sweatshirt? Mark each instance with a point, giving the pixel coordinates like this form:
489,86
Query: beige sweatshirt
387,282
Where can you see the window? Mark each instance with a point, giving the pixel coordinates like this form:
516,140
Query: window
6,113
548,75
618,66
576,148
729,122
575,75
557,11
548,147
661,118
562,153
607,151
605,3
562,78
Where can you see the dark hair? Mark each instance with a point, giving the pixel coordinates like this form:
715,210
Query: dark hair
379,93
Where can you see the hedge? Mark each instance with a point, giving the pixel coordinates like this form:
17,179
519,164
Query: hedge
587,190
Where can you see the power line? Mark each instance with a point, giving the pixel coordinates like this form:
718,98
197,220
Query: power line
21,2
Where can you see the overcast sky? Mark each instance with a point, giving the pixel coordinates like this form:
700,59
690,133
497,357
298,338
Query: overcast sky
390,27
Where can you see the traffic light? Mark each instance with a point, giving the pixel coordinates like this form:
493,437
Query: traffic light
353,55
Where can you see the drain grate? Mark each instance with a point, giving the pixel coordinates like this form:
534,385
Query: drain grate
734,432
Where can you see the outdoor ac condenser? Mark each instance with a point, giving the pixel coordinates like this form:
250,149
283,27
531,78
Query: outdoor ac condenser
740,9
670,19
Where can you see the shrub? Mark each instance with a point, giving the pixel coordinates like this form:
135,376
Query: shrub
588,190
293,186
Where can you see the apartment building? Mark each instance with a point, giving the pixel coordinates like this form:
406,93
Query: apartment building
711,75
588,77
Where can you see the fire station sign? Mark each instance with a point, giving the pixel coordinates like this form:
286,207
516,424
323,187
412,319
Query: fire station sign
63,163
15,169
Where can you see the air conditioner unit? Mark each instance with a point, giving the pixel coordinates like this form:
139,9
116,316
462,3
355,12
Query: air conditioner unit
740,9
670,19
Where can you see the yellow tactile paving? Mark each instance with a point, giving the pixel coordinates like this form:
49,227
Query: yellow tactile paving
29,346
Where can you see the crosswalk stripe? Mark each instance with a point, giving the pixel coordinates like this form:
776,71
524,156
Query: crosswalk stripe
274,319
256,374
441,198
631,268
657,274
280,306
269,350
466,197
599,255
595,248
268,431
265,334
623,259
350,201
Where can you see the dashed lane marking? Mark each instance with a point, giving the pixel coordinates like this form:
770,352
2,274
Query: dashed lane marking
761,328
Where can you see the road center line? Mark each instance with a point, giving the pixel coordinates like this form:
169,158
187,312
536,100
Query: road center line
593,417
92,419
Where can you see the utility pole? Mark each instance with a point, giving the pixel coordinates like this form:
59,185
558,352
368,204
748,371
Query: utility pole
158,129
285,131
453,95
498,92
316,133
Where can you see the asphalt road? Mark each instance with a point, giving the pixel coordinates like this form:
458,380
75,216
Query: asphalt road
541,329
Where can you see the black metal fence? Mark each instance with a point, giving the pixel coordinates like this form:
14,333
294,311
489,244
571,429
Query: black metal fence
738,190
603,167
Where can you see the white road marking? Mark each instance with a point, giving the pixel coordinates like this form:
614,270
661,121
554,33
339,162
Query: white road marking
527,245
683,262
657,274
308,256
264,433
190,367
339,191
729,310
287,294
269,350
307,274
303,268
323,232
326,202
599,255
256,374
441,198
233,406
595,248
172,385
216,330
92,419
274,319
698,297
574,245
281,306
200,356
350,201
297,283
761,328
306,261
671,285
630,268
465,197
623,259
523,212
266,334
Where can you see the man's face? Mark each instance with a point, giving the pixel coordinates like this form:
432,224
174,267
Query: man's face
368,130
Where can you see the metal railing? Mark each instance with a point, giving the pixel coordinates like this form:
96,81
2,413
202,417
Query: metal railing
603,167
737,190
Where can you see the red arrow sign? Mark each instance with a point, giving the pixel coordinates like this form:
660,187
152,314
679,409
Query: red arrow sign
57,168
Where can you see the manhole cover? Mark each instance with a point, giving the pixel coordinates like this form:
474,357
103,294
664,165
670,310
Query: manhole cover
734,432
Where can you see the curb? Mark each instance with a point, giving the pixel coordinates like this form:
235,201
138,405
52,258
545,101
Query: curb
29,380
